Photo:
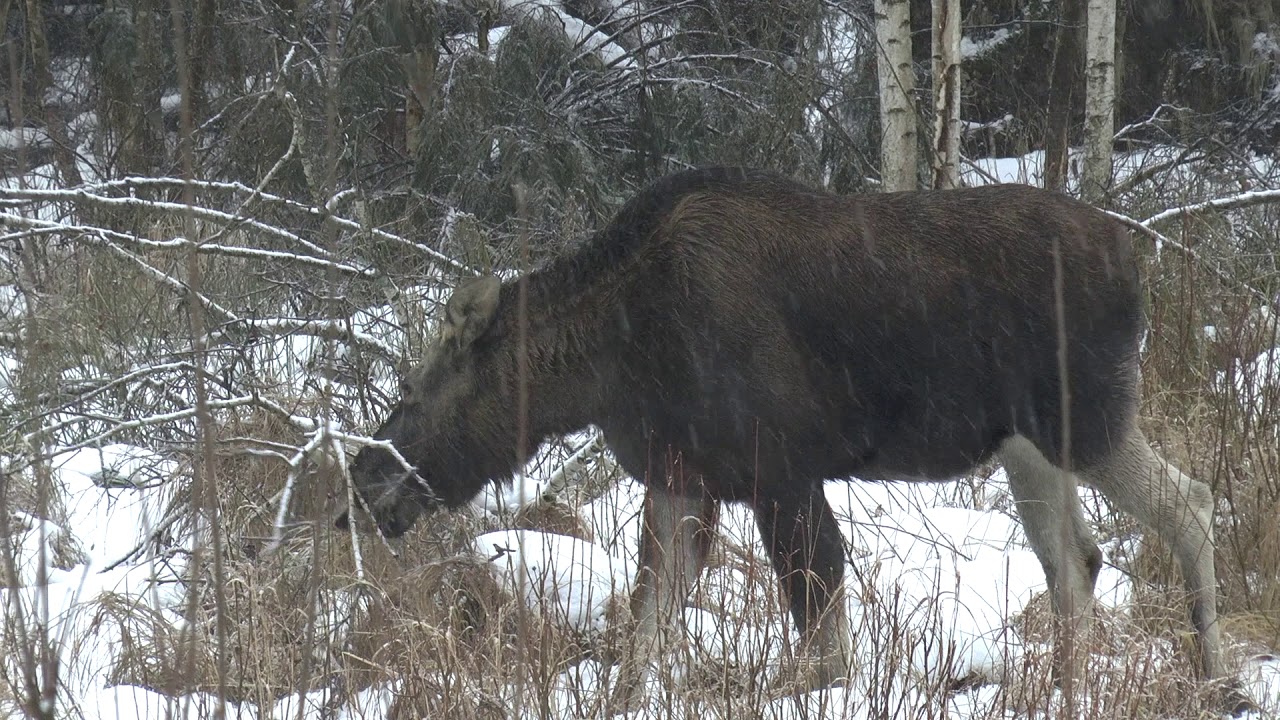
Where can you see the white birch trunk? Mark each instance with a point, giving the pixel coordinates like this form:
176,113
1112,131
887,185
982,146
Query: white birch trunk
897,107
946,93
1099,98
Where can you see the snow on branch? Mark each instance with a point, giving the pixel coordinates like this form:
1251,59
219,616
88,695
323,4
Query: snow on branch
560,478
975,48
1151,123
326,329
98,388
135,424
318,439
329,441
324,214
1162,240
180,288
48,227
82,194
1246,199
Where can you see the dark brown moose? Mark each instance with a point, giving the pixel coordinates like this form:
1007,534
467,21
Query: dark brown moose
740,337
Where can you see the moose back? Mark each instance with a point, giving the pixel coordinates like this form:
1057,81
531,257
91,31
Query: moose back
740,337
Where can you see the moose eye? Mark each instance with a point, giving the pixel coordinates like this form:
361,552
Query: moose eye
405,390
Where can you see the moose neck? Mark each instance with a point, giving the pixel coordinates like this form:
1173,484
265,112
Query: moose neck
555,354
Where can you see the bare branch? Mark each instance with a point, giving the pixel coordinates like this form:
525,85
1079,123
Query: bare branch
1163,240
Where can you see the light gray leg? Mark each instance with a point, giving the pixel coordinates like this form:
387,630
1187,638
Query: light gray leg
1050,510
1180,510
675,535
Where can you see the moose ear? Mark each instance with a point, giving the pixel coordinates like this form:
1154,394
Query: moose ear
471,309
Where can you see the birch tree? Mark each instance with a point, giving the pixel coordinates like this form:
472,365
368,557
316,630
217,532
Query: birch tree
1099,99
897,108
946,93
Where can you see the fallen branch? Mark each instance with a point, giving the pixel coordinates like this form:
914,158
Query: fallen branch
559,479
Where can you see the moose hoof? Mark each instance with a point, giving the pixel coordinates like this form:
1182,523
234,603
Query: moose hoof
623,700
813,674
1236,701
629,694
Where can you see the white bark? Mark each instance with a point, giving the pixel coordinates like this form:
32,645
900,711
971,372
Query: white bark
897,106
946,93
1100,98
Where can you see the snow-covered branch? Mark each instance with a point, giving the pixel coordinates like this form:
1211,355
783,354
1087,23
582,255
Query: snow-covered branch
1246,199
319,438
180,288
324,214
560,479
327,329
1153,121
136,424
326,439
202,213
47,227
127,379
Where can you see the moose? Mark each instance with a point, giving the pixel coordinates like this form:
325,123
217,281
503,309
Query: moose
740,337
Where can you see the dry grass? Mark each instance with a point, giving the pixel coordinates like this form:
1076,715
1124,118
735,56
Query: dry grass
439,627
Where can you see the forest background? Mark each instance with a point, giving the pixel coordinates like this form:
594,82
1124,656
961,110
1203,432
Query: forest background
225,226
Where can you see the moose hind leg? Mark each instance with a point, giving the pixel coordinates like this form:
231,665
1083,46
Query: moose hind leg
808,555
1180,510
1049,507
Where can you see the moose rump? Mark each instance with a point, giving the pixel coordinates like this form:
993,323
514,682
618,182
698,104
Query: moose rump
740,337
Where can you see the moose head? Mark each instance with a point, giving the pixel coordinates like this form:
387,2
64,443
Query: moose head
439,432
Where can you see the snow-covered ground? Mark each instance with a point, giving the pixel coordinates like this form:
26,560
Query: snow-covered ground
938,577
944,566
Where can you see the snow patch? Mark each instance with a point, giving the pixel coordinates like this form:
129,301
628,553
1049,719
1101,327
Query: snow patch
563,577
974,48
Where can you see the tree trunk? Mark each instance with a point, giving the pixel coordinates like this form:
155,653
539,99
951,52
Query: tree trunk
63,153
946,93
420,69
202,32
897,107
1066,71
1099,99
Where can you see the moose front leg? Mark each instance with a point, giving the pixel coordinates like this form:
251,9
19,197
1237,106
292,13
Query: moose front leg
675,535
800,532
